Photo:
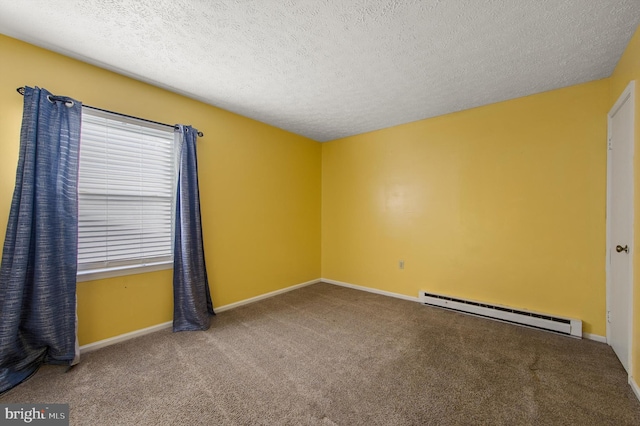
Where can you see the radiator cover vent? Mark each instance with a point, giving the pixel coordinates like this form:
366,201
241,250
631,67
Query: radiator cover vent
567,326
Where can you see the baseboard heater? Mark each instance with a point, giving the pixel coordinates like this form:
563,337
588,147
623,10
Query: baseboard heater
567,326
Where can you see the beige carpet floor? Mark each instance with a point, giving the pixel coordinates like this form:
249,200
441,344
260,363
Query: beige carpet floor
327,355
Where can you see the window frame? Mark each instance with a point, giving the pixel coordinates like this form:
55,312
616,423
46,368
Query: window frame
130,267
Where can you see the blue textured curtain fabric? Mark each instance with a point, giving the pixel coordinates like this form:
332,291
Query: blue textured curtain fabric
192,305
38,271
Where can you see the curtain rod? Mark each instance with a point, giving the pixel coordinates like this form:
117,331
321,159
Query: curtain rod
21,91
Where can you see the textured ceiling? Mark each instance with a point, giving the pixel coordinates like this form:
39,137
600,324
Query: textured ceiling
332,68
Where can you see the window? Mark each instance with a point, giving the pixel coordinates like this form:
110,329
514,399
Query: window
126,188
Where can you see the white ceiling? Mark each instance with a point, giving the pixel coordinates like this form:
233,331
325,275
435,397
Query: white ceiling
333,68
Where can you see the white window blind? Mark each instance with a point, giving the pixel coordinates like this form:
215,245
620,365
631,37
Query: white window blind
126,188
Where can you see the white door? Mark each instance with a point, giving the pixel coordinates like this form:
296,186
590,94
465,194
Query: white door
620,221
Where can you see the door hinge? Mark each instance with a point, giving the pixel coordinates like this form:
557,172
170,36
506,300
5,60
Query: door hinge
609,316
609,145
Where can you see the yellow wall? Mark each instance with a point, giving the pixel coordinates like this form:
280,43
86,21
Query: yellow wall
503,203
260,191
628,69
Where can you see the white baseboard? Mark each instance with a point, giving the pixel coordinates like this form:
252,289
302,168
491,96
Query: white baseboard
137,333
370,290
634,387
595,337
123,337
263,296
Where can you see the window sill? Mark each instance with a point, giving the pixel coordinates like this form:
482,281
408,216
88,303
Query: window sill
98,274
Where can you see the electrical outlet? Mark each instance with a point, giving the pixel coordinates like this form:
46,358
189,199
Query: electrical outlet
401,264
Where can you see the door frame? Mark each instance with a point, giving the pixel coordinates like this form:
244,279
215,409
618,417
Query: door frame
627,94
